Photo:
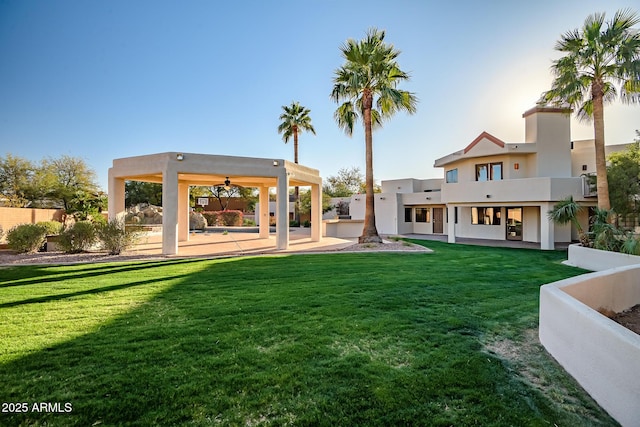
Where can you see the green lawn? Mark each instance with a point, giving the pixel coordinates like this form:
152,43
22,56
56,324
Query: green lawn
438,339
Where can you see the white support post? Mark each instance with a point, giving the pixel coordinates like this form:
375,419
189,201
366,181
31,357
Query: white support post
451,224
316,212
183,212
282,211
115,196
169,212
263,200
547,228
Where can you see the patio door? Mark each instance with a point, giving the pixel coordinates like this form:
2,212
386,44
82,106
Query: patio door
438,222
514,223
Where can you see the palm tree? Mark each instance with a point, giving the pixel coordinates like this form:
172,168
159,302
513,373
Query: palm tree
566,211
370,73
597,57
295,119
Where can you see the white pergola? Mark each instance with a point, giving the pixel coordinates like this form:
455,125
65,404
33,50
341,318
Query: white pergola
178,171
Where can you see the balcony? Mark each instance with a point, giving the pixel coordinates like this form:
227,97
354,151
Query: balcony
513,190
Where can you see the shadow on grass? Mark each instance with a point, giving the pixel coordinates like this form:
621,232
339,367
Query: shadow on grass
27,275
342,339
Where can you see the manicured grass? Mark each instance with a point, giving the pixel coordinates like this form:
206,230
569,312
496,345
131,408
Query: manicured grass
340,339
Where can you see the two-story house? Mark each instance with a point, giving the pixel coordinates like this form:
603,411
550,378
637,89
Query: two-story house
496,190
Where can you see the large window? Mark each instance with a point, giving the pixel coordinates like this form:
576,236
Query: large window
486,216
489,172
423,215
408,215
452,175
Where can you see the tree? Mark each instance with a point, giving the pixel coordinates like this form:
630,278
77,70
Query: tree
623,174
136,192
597,57
16,174
295,119
346,183
566,211
68,176
369,76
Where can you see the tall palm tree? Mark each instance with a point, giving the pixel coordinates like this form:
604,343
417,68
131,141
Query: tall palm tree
369,77
295,119
597,57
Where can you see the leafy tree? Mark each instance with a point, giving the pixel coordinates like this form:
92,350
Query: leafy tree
597,57
366,84
66,176
305,202
136,192
295,119
16,174
346,183
623,174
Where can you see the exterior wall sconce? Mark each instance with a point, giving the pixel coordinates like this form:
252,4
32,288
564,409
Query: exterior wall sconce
227,184
488,196
428,198
516,166
179,157
357,199
275,163
383,198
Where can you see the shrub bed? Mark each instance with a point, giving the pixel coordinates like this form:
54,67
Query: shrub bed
229,218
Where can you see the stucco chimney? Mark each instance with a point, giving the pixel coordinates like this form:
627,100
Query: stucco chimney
550,129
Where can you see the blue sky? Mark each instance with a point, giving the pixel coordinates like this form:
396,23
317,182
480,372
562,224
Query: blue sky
109,79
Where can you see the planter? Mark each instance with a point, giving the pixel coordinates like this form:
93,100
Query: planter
598,260
603,356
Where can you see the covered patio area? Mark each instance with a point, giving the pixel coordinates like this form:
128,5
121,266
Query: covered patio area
177,172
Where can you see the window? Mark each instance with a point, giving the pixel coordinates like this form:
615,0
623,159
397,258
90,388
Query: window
422,215
452,175
408,215
486,216
489,172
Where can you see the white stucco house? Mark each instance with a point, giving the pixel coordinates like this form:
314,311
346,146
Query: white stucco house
492,189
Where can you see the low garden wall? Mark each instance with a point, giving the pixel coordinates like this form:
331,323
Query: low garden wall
342,227
10,217
603,356
597,260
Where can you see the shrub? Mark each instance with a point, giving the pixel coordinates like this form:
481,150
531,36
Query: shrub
306,224
248,222
26,237
226,218
78,238
115,237
51,227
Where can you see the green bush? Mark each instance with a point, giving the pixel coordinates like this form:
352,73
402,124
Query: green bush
115,237
51,227
306,224
248,222
26,237
225,218
78,238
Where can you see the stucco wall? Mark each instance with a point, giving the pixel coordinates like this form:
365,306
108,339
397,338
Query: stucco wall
10,217
603,356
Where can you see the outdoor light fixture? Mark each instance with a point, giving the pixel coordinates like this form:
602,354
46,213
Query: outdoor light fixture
383,198
227,184
488,196
428,198
179,157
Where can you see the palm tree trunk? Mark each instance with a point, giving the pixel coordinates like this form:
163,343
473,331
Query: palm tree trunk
601,161
369,231
296,208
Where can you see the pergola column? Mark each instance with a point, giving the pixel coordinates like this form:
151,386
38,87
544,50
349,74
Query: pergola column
183,212
263,200
115,196
282,211
170,212
316,212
